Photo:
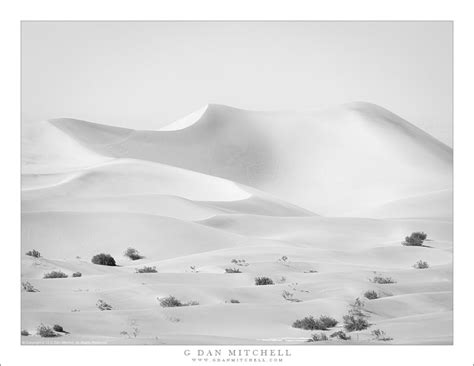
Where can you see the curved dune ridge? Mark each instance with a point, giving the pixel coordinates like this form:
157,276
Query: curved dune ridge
317,200
271,151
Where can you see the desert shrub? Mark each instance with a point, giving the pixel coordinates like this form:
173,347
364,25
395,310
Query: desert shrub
371,295
133,254
58,328
28,287
146,269
33,253
311,271
55,274
25,333
380,335
170,302
240,262
328,321
193,269
234,301
102,305
340,335
310,323
352,323
356,318
232,270
46,331
318,337
260,281
421,265
382,280
77,274
103,259
415,239
288,296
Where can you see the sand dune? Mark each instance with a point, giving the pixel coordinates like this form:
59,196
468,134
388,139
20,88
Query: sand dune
317,201
272,150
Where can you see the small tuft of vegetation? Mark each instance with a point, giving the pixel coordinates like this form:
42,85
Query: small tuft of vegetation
318,337
382,280
103,259
133,254
356,318
415,239
311,271
33,253
310,323
171,302
77,274
288,296
380,335
240,262
28,287
232,270
102,305
234,301
55,274
261,281
193,269
421,265
25,333
340,335
46,331
371,295
146,269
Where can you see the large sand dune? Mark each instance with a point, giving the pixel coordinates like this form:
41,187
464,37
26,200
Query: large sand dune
335,192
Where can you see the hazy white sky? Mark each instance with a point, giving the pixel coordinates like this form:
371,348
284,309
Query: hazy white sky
144,75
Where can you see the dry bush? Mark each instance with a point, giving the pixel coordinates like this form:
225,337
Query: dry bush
318,337
28,287
380,335
133,254
33,253
46,331
103,259
340,335
77,274
356,318
310,323
261,281
171,302
102,305
25,333
146,269
415,239
421,265
371,295
382,280
55,274
232,270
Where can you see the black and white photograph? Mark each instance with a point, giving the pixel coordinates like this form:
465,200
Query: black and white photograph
237,183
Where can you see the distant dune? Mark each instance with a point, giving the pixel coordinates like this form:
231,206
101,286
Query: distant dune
319,201
301,157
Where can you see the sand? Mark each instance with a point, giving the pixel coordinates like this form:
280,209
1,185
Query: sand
334,191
